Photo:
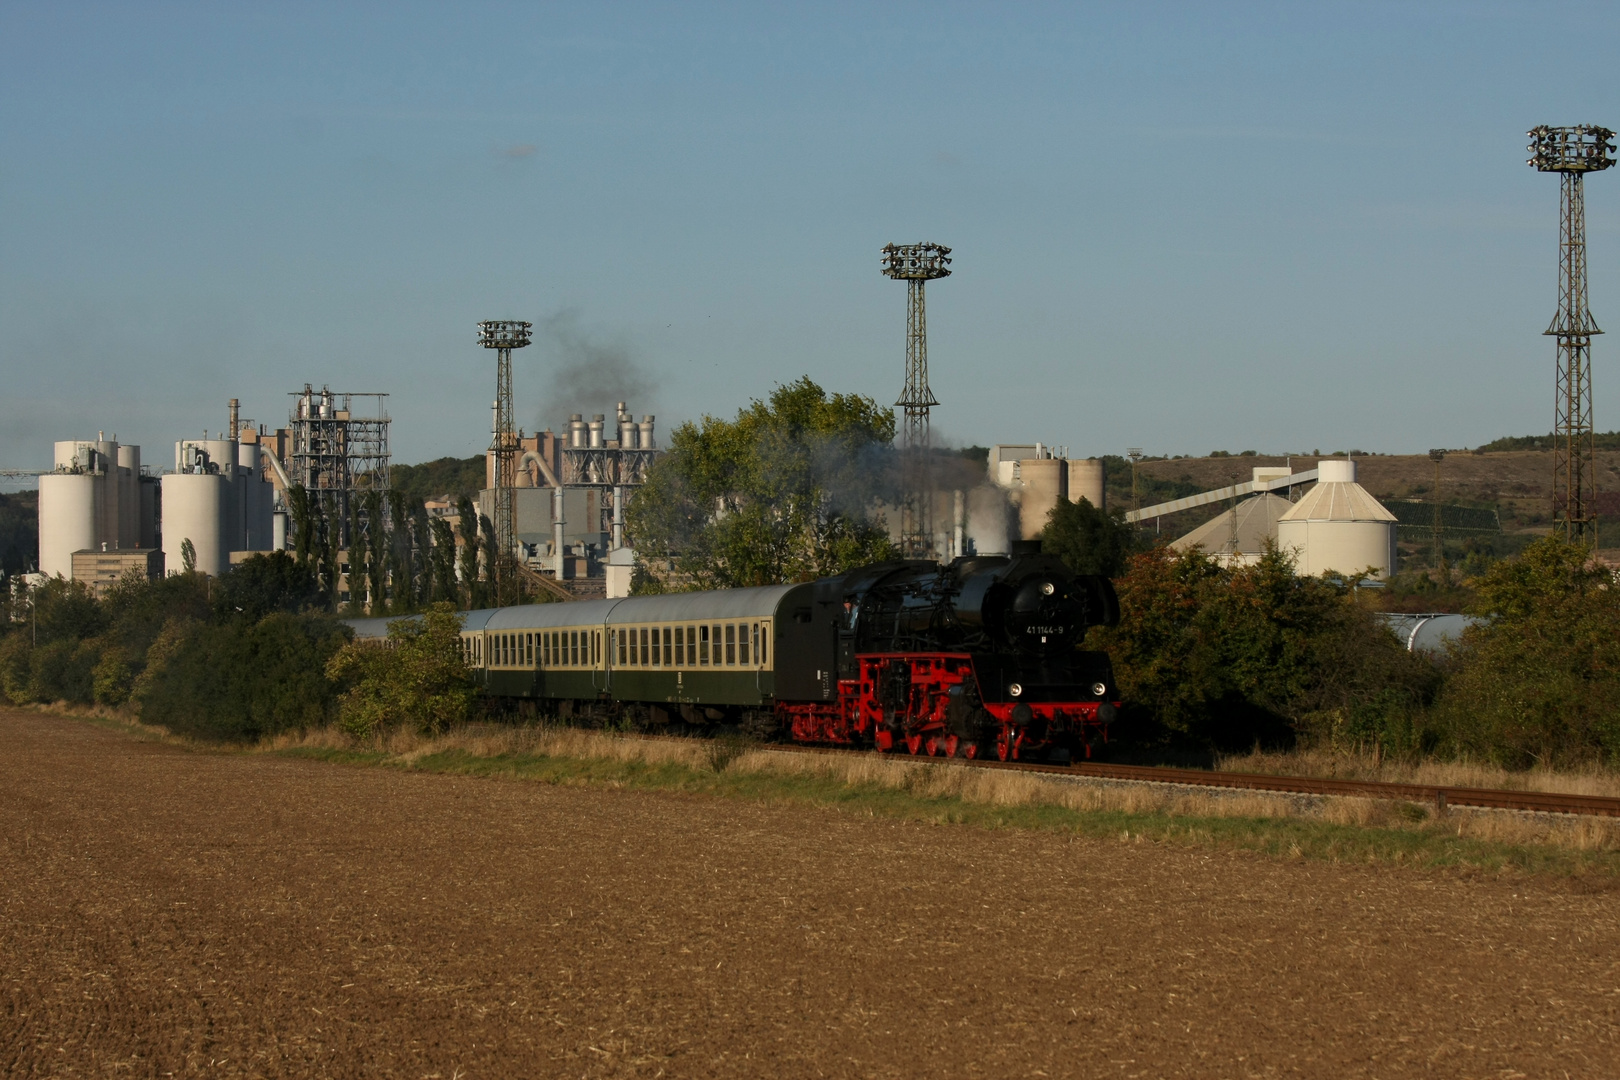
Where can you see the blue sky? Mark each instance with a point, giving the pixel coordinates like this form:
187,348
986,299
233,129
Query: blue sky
1181,227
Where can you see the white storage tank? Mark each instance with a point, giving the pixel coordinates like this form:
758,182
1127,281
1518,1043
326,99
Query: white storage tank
70,515
1337,527
256,497
197,507
129,496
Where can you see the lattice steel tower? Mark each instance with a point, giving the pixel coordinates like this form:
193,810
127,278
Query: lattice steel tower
1573,152
916,264
503,336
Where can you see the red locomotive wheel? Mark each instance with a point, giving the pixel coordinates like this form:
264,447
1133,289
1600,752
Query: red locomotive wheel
914,743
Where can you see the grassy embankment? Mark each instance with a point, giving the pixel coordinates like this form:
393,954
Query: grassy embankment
1280,825
1338,829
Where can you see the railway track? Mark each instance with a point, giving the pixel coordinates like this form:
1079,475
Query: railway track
1439,796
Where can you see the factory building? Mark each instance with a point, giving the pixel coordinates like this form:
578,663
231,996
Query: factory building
570,490
96,499
1039,476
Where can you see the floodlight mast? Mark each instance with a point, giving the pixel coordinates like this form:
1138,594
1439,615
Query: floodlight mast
504,335
1573,152
916,264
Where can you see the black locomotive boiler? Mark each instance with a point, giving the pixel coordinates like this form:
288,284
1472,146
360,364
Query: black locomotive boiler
980,657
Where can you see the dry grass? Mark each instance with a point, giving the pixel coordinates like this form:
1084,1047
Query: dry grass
938,780
1594,780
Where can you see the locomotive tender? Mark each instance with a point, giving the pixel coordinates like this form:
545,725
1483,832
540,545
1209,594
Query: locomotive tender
977,657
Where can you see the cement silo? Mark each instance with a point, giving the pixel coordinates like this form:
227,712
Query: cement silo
70,511
197,506
1088,481
200,505
255,500
1338,527
1045,483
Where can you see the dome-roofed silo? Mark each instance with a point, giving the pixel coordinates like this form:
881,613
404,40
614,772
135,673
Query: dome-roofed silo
1338,527
1238,536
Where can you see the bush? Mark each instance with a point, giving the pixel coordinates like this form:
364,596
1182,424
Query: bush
62,671
1223,658
416,680
241,681
1539,682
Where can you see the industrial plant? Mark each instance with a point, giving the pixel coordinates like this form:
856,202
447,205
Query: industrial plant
553,504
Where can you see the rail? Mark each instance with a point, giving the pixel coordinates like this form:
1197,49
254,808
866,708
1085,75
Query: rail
1438,795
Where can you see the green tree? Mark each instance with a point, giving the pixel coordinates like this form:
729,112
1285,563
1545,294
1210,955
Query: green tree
331,541
1539,681
417,681
1224,656
357,552
305,514
241,681
422,545
785,492
444,563
1088,540
377,552
266,583
467,526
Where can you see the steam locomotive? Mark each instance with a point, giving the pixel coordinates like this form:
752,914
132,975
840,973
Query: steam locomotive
979,657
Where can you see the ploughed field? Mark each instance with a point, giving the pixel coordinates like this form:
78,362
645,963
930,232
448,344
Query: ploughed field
168,912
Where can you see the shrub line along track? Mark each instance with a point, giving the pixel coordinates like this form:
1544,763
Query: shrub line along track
1438,795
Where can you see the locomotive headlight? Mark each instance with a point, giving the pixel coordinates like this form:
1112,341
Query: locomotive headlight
1099,688
1015,689
1047,588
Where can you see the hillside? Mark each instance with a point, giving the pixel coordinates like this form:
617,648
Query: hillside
457,476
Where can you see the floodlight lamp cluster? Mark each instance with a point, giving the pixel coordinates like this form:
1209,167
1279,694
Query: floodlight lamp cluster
503,334
916,262
1580,149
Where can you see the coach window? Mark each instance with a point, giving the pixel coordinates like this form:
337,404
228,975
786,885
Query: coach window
742,644
596,647
731,644
641,634
658,655
719,649
764,643
703,645
528,649
680,646
669,647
